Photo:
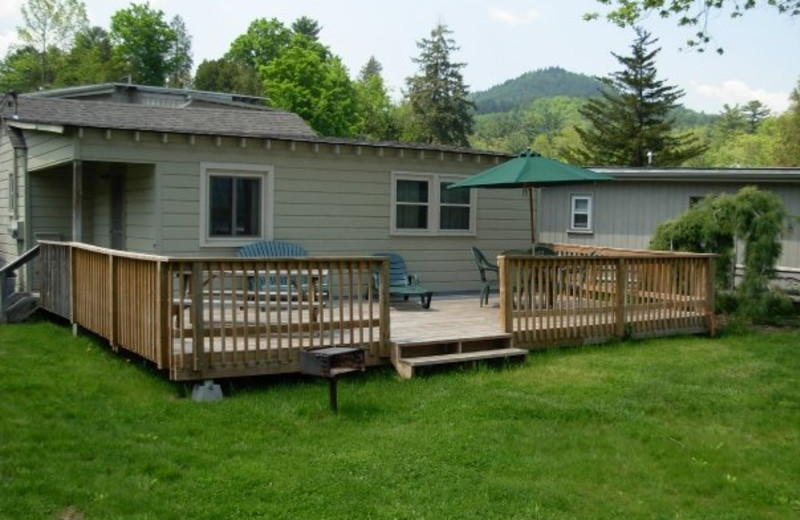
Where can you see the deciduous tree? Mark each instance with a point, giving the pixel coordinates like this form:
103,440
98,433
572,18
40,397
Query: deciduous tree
144,43
375,109
51,23
692,14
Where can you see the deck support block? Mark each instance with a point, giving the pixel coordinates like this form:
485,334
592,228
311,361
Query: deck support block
207,392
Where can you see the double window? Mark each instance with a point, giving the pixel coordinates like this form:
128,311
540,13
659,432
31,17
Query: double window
422,205
235,203
581,213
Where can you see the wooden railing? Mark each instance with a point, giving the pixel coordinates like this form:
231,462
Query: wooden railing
562,300
205,318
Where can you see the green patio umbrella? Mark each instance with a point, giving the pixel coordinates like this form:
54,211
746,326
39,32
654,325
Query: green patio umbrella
530,171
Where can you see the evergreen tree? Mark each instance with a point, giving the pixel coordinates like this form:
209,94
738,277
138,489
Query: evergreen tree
440,109
375,108
180,56
308,27
630,123
755,112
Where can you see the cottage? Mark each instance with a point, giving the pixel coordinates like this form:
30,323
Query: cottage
187,173
625,213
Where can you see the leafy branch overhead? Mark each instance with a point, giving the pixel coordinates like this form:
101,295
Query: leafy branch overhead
693,14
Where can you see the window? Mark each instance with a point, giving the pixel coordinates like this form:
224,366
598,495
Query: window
581,213
422,205
235,204
694,200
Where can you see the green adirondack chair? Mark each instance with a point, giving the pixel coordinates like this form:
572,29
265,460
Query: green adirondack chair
401,282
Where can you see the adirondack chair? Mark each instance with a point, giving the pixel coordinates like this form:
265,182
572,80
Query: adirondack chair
485,267
281,283
401,282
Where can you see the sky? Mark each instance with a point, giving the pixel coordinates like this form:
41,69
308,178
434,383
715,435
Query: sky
499,40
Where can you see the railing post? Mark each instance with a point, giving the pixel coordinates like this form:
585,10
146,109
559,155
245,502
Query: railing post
113,303
711,319
506,311
198,325
383,298
619,298
164,316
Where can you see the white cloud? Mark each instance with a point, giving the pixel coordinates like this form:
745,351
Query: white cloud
6,39
10,8
507,17
735,92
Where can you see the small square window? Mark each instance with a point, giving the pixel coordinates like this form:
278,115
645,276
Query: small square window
581,213
422,204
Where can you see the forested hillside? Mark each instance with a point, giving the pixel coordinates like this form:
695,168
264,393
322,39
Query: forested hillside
542,83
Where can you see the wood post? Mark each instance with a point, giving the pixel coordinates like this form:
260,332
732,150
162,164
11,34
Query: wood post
619,297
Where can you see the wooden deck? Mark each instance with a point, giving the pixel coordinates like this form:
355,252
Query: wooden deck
207,318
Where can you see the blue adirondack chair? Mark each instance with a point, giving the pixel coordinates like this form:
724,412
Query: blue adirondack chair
282,283
401,282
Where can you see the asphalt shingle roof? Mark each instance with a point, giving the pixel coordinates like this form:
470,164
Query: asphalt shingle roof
265,123
189,120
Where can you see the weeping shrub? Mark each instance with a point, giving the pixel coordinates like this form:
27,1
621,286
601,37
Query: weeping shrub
756,217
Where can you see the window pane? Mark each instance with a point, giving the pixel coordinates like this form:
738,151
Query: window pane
221,210
581,205
580,221
412,191
460,196
412,217
454,217
248,211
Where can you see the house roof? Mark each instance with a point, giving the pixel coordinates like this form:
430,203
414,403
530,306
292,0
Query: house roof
263,123
688,175
129,89
188,120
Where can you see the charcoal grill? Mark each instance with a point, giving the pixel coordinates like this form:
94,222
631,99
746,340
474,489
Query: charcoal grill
331,363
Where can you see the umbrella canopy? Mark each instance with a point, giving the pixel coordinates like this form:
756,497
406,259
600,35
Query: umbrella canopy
530,170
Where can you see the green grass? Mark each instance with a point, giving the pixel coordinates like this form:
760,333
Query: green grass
689,428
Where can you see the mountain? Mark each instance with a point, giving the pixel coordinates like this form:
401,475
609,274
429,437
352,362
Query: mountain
542,83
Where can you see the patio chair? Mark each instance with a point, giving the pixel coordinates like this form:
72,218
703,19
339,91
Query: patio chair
401,282
485,267
281,283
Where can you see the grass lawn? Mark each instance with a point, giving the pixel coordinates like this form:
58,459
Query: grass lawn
688,428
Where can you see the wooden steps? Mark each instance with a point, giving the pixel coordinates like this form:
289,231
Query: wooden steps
406,357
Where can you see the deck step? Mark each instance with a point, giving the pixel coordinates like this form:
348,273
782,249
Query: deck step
407,357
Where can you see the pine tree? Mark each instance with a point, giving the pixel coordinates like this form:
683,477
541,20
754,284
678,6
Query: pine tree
629,124
437,96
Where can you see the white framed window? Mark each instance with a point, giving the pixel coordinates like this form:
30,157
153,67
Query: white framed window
580,213
236,202
422,205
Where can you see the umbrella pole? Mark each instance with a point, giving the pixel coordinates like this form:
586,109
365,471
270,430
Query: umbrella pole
532,209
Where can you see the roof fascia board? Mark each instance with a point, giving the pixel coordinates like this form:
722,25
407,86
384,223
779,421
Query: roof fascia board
54,129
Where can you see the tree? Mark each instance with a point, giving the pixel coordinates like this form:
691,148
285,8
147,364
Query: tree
21,69
144,44
89,61
180,55
51,23
224,75
376,111
262,42
438,98
304,79
692,14
757,218
307,27
630,124
731,120
788,145
754,113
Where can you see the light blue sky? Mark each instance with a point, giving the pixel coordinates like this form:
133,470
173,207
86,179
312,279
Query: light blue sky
501,39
